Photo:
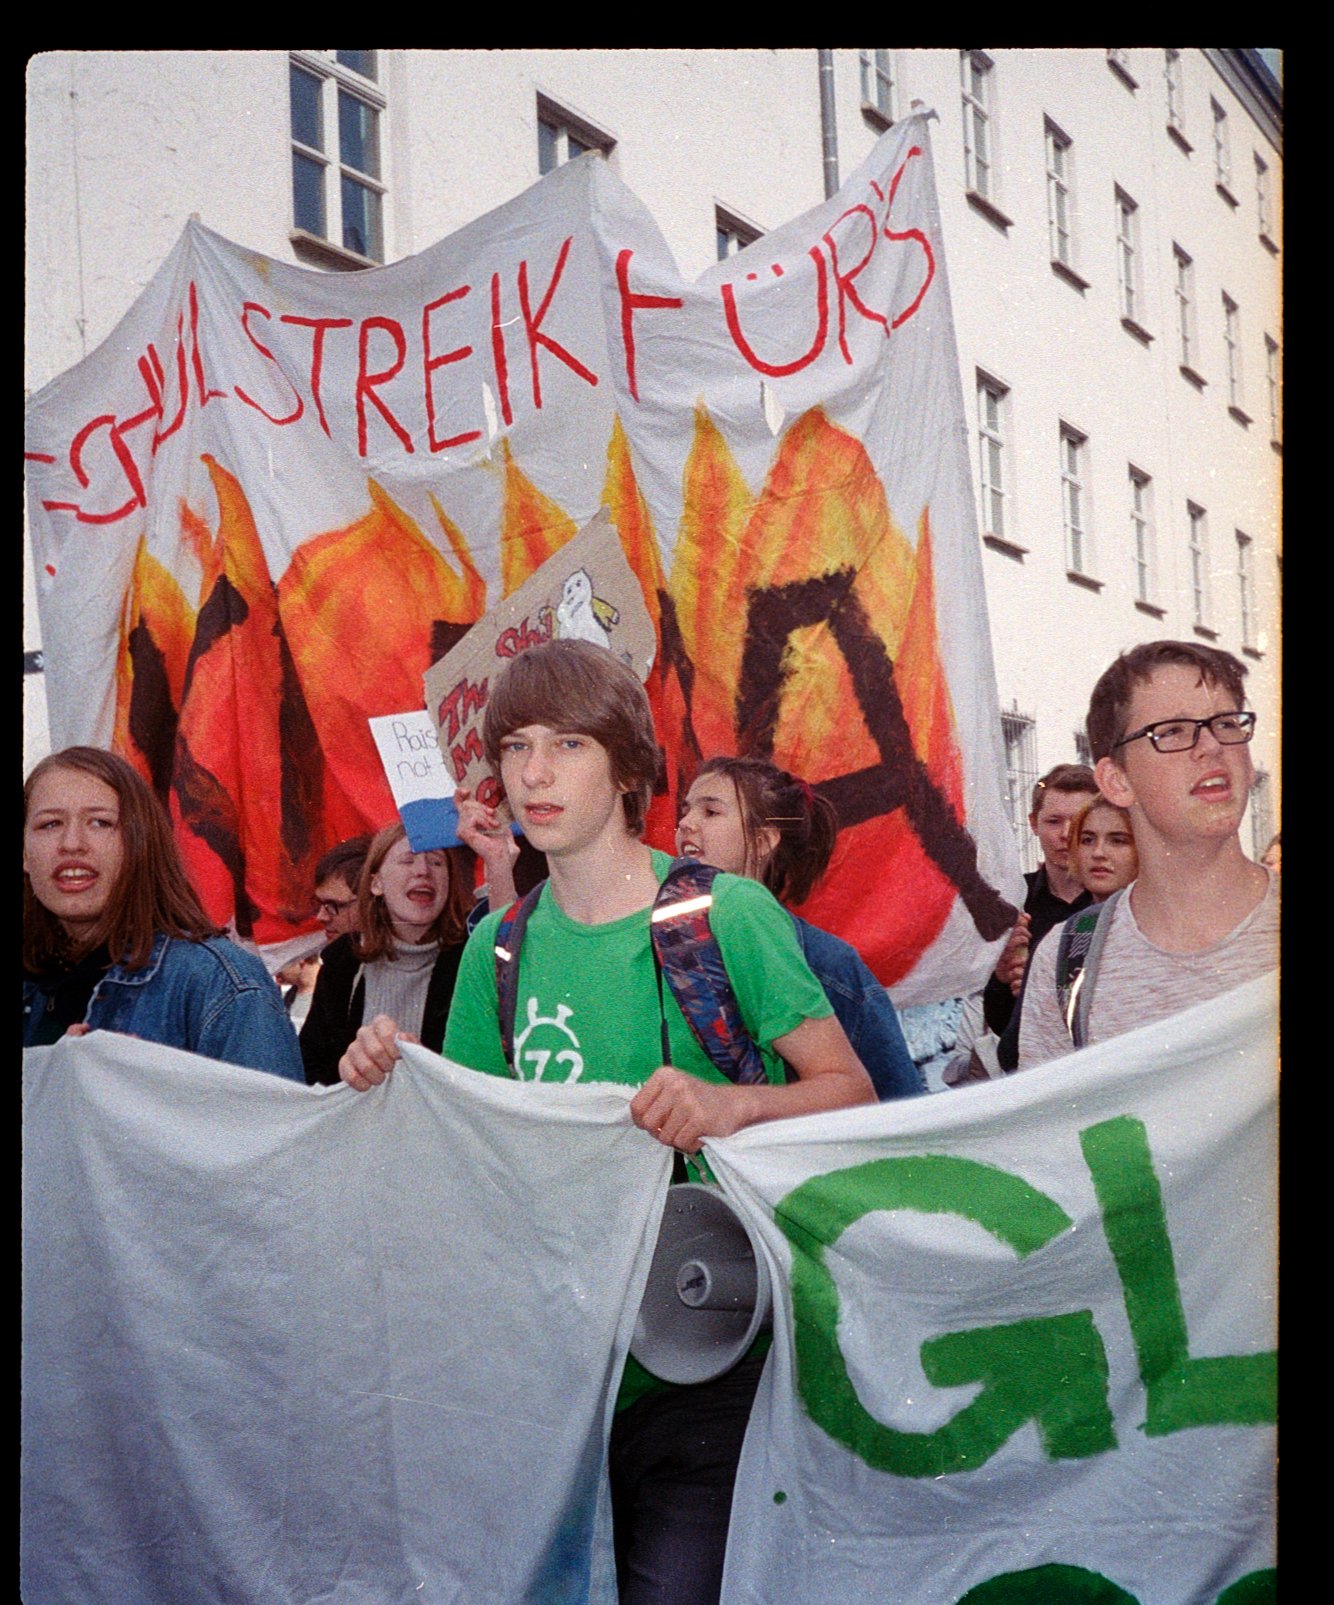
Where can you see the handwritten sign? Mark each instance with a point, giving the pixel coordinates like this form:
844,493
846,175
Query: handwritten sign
586,591
419,778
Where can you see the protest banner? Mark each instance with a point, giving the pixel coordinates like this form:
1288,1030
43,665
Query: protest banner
1025,1333
273,498
288,1343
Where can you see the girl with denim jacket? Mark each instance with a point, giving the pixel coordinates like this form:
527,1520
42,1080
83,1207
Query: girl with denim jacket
114,937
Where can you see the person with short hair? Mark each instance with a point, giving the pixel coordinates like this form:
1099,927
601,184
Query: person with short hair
568,727
114,937
749,817
403,956
1054,893
337,879
1168,726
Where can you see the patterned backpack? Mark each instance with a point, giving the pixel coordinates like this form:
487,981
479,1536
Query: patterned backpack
685,950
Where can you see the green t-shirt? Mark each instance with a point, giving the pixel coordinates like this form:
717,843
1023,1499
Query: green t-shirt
587,1007
587,1004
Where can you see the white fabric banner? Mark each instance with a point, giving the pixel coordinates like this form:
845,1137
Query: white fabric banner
273,498
284,1344
1024,1333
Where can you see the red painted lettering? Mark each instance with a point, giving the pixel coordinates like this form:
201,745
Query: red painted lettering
470,747
367,382
844,280
159,387
106,421
291,418
519,637
630,304
533,325
910,234
320,327
498,352
205,394
778,370
431,363
490,793
459,705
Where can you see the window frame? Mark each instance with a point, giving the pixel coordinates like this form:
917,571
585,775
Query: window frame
1246,593
1143,540
336,81
1058,153
1264,203
876,71
1175,83
1129,265
1076,503
1232,347
1197,548
733,227
994,475
1274,390
1019,740
977,74
564,125
1222,148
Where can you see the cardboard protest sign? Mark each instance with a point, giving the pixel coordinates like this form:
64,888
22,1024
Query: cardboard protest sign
585,591
419,778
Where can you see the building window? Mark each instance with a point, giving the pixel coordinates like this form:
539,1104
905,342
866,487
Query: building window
1127,258
1060,196
1142,536
979,176
1264,202
1273,390
1074,500
1119,61
877,79
1222,152
992,406
561,136
1246,589
1083,752
339,201
1232,345
732,233
1185,298
1176,97
1199,565
1021,775
1262,814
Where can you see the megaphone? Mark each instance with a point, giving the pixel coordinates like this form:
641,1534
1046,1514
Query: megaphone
708,1291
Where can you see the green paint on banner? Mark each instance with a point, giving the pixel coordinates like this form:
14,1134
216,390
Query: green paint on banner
1052,1370
1232,1390
1256,1588
780,1498
1046,1585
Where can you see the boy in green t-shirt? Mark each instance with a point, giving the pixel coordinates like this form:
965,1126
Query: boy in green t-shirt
568,727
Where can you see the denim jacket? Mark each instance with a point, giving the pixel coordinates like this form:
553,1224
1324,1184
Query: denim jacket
862,1007
207,997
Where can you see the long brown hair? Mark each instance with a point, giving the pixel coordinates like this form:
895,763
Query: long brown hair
151,894
376,939
806,824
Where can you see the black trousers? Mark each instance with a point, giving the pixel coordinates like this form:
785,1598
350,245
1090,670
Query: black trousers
672,1464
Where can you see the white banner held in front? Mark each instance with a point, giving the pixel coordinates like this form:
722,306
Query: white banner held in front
1024,1333
287,1344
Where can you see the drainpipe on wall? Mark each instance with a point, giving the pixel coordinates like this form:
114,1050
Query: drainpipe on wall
828,128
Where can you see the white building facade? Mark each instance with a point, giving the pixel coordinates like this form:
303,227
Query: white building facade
1113,232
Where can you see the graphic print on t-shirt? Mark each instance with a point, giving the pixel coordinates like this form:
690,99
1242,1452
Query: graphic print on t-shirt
555,1045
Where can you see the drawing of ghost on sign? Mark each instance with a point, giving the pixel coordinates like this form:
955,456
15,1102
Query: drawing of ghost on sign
581,616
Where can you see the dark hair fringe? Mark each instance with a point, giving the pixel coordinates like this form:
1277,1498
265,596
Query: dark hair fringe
1110,703
806,823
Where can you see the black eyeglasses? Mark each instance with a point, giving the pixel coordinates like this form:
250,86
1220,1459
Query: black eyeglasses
333,908
1180,735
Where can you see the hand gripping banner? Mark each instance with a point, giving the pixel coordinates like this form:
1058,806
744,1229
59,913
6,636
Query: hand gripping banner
273,498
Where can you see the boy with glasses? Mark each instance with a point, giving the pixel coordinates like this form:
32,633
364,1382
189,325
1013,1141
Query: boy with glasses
1170,733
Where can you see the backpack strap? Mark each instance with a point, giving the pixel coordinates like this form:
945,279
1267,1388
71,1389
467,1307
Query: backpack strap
1077,957
686,951
509,939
